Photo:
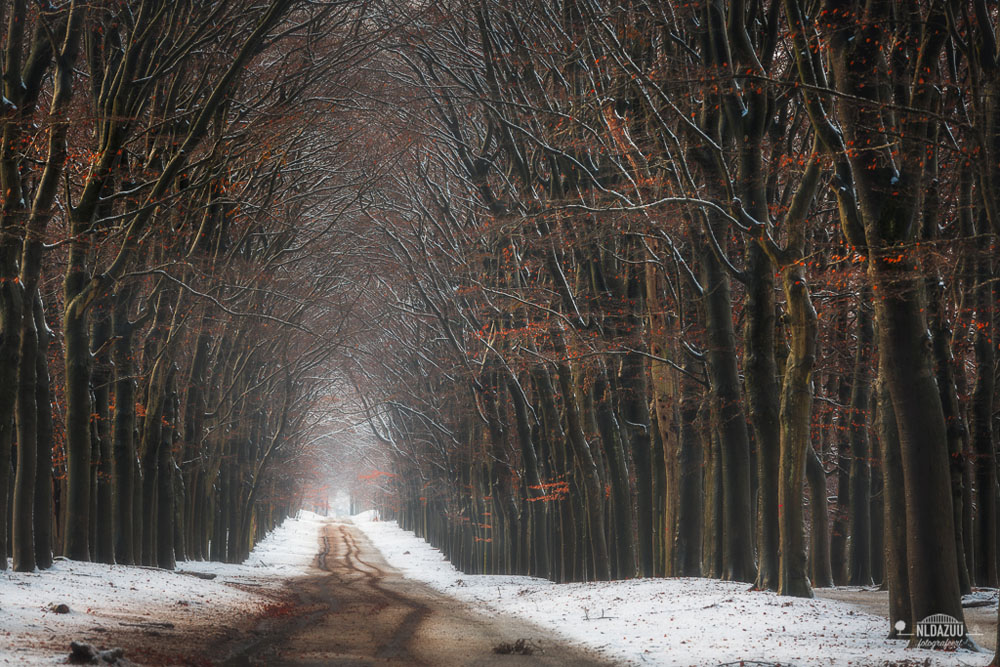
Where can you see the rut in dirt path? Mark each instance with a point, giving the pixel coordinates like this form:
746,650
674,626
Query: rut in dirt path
360,611
337,539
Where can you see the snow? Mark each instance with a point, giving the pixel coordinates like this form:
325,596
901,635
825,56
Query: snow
677,621
287,551
101,597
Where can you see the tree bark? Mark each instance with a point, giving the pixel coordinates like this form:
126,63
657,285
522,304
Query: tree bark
690,465
734,442
663,388
843,456
819,542
614,452
981,429
123,448
593,489
895,510
27,446
165,471
796,411
763,409
538,539
43,467
76,533
635,409
104,548
10,318
930,531
860,496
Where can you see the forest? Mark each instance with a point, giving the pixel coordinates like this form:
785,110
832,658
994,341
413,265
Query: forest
618,289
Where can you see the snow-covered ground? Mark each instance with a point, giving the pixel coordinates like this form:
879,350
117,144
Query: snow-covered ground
678,621
102,598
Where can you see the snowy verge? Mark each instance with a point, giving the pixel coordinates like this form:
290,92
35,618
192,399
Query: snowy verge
678,621
105,599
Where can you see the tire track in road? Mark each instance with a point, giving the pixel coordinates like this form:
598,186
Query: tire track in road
396,646
358,611
348,616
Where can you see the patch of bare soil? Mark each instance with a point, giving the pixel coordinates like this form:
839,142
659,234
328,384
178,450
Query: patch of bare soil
189,638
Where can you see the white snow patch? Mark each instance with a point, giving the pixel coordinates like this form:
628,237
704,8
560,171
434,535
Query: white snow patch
287,551
677,621
104,597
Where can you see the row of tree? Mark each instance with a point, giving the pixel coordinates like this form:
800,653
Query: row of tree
171,289
614,283
659,278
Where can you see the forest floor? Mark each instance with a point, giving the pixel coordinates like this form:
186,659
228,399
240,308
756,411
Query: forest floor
325,592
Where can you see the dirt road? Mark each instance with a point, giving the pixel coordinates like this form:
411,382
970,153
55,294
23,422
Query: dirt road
359,611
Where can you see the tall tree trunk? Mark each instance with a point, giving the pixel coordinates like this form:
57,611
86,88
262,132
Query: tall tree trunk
713,551
179,520
860,496
123,449
101,333
958,437
10,320
553,459
138,529
981,427
165,471
889,182
593,489
943,361
690,508
737,556
763,407
635,408
877,505
43,468
234,503
76,533
538,541
217,545
796,413
819,542
895,507
636,414
930,530
195,450
663,387
11,218
663,554
842,511
991,177
614,452
29,278
27,446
